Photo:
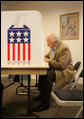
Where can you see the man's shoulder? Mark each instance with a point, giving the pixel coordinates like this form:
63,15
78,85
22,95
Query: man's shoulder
63,45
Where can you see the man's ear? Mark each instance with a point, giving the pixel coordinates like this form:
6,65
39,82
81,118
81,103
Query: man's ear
55,42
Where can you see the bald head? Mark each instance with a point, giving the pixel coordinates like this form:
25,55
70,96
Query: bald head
52,40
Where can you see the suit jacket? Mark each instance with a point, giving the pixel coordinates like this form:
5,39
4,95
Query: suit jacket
62,63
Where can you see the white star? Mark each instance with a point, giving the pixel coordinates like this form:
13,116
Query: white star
18,33
18,39
26,39
26,33
11,33
11,39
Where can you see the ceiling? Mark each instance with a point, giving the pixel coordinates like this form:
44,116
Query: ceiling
8,3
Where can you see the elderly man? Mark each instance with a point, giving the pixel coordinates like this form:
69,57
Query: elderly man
61,70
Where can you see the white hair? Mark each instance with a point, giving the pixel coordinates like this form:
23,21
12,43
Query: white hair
54,39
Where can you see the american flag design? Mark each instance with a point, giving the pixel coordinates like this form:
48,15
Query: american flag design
19,45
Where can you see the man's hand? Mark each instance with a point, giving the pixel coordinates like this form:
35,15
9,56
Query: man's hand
46,59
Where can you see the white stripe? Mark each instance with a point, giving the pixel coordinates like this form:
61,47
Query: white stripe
16,52
21,52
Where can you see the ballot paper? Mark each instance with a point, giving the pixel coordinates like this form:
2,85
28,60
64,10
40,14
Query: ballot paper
22,39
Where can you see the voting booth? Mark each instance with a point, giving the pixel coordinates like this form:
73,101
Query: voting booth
22,39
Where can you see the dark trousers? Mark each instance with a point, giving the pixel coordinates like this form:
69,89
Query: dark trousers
45,86
1,93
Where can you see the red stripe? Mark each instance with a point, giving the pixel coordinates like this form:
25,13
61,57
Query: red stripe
18,51
23,51
29,52
13,52
8,52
